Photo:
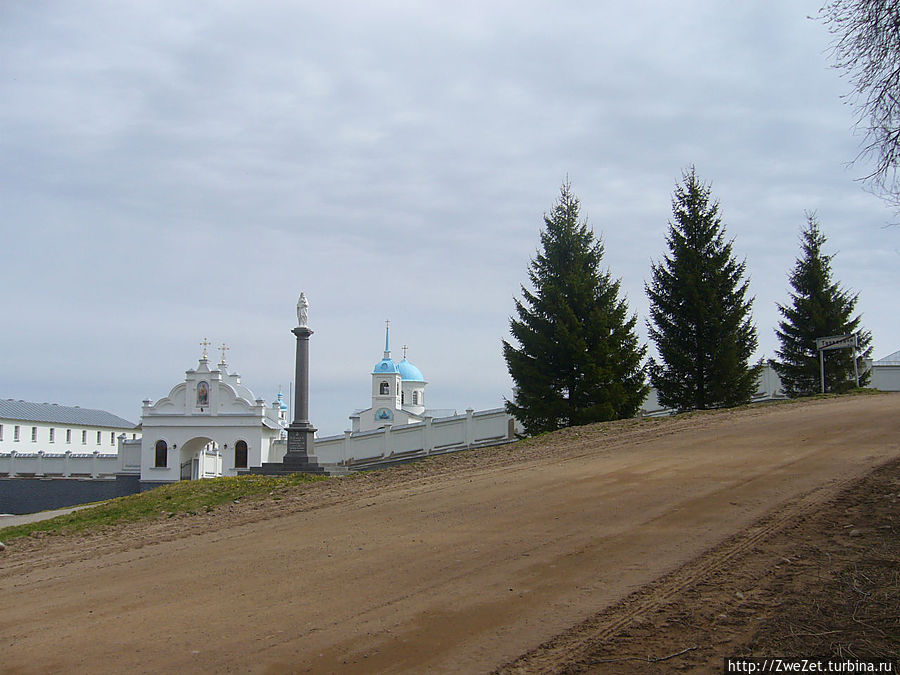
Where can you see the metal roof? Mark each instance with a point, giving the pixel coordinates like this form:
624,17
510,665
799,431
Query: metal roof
889,360
51,412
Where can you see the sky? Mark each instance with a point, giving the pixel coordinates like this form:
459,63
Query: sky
177,171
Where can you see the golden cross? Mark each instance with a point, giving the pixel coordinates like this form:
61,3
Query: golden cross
224,349
204,344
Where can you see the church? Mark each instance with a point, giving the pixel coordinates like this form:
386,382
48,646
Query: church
398,394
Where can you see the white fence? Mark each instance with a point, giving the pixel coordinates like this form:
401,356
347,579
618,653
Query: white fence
69,464
58,464
431,437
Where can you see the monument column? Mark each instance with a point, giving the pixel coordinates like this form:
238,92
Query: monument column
301,433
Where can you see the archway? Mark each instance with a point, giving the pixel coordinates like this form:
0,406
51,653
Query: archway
199,457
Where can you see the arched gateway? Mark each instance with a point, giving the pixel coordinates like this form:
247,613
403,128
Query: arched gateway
209,425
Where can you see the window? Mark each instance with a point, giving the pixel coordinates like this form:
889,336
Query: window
98,437
34,434
1,432
52,434
133,437
415,398
384,389
402,398
162,455
112,437
240,455
84,436
68,436
16,433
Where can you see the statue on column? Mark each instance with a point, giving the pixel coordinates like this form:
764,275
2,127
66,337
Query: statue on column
303,311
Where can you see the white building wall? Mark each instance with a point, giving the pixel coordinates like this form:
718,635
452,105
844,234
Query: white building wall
34,436
885,378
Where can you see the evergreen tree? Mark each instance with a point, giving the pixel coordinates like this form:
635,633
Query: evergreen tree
700,315
819,308
578,359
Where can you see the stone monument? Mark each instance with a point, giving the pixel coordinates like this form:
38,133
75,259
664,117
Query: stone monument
301,433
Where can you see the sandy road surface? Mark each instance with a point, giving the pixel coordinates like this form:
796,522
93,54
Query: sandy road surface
459,566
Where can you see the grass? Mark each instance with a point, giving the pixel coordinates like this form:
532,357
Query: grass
183,497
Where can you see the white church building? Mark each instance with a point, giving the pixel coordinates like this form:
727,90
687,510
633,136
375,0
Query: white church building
209,425
398,394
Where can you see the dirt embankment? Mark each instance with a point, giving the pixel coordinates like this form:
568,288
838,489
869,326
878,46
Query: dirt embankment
586,549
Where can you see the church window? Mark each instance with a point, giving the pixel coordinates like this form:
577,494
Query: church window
402,398
52,434
68,436
203,394
162,455
240,455
84,436
34,434
99,437
112,437
16,433
384,389
415,398
1,432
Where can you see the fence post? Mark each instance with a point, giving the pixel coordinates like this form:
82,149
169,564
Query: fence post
12,465
470,427
428,435
386,437
39,465
345,446
67,467
95,471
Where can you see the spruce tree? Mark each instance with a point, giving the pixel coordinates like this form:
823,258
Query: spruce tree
700,315
578,359
819,308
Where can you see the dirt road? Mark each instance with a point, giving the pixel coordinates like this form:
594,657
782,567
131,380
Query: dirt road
458,565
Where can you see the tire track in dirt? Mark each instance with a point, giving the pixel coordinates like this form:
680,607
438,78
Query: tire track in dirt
570,647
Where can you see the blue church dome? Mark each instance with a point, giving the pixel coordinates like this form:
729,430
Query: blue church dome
385,366
409,372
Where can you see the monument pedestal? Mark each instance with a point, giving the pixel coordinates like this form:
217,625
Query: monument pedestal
299,458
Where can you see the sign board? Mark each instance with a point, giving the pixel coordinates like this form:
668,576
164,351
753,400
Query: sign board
824,344
836,342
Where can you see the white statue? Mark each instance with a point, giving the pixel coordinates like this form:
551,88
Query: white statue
303,310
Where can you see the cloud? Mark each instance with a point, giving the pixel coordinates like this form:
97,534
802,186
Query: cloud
179,171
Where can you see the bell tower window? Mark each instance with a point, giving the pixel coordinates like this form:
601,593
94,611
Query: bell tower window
384,389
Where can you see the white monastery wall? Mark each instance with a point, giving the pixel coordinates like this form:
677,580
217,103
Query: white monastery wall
433,436
68,464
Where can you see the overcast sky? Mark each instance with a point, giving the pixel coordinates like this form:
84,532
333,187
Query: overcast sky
173,171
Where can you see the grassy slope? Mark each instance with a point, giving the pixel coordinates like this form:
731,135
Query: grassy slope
181,497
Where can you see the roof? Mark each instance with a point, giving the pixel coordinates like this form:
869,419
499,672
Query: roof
51,412
409,372
385,366
889,360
